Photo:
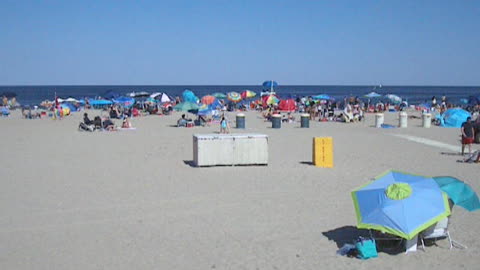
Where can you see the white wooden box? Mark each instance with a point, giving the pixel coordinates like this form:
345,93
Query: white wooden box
230,149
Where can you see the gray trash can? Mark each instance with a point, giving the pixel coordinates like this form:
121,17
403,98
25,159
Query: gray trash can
240,120
305,120
379,120
426,120
402,120
276,121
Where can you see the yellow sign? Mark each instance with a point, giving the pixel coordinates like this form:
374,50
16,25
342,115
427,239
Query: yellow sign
323,152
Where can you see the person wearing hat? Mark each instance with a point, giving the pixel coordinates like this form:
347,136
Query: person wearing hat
468,135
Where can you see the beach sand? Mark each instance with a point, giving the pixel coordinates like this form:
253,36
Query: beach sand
131,199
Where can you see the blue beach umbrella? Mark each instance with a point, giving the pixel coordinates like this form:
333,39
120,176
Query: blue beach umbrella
453,117
400,204
459,192
323,97
269,84
189,96
186,106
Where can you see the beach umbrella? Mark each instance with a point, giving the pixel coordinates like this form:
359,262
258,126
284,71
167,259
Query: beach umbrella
234,97
8,94
459,192
323,97
270,99
400,204
189,96
208,99
186,106
124,101
269,85
161,97
139,94
219,95
394,98
372,95
248,94
453,117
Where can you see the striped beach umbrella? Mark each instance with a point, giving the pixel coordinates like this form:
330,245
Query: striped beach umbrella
270,99
234,97
248,94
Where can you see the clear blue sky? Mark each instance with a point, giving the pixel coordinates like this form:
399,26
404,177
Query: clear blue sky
240,42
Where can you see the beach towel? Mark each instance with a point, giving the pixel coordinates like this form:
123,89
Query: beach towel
388,126
473,157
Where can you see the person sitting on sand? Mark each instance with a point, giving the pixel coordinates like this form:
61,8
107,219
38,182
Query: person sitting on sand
87,120
108,125
182,122
126,123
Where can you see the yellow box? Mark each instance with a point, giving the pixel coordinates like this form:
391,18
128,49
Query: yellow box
323,152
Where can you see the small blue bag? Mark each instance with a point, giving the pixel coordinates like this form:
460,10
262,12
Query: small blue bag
366,248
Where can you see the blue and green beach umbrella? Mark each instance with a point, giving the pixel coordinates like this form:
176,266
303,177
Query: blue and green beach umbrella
400,204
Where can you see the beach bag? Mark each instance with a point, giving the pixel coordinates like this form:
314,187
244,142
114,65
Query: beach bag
366,248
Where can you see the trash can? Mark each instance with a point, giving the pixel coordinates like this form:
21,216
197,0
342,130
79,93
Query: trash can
426,120
276,121
402,119
240,120
378,120
305,120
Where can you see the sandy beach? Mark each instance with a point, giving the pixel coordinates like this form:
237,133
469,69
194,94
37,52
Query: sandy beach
131,199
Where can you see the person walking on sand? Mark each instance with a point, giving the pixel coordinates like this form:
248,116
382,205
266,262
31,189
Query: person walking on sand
223,125
468,135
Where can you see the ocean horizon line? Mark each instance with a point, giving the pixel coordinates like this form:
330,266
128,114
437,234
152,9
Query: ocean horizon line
254,85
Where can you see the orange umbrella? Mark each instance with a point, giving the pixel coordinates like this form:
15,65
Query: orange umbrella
207,100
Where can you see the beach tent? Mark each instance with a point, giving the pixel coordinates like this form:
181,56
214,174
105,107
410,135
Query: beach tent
124,101
287,105
401,204
189,96
453,117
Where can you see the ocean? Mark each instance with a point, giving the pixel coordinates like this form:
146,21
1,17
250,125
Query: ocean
32,95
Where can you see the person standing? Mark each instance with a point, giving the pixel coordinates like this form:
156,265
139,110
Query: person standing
468,135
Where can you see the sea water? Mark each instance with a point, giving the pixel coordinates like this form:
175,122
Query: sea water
31,95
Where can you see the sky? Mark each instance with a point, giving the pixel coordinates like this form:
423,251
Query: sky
239,42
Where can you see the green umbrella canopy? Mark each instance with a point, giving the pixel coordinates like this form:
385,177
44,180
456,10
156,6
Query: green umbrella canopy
219,95
459,192
186,106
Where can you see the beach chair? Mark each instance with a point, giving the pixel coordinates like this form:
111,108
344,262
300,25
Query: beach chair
387,242
437,231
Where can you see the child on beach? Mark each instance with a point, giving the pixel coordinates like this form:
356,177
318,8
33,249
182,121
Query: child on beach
223,126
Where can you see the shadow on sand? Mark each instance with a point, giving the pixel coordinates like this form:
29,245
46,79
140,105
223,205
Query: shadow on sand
348,235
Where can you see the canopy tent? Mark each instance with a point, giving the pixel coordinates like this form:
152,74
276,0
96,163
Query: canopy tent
399,203
453,117
287,105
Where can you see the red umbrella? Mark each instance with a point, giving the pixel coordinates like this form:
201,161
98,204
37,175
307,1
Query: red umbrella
207,100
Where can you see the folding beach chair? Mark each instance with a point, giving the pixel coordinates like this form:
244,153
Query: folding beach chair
439,230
